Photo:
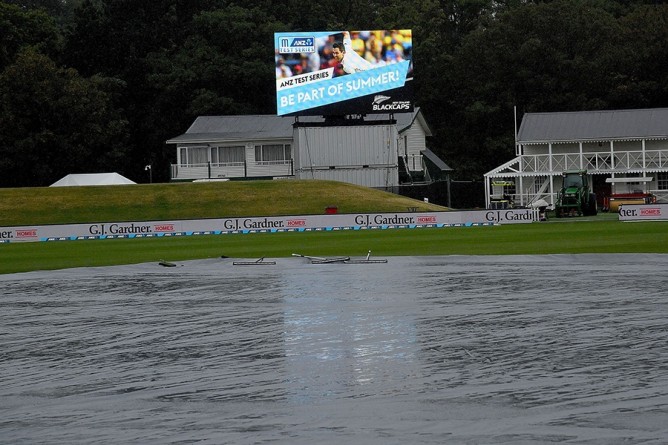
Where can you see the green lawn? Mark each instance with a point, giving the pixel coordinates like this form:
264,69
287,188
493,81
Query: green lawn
63,205
159,202
553,237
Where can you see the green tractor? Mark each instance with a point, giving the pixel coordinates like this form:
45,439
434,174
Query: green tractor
575,197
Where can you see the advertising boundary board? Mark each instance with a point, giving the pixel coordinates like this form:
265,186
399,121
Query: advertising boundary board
305,223
643,212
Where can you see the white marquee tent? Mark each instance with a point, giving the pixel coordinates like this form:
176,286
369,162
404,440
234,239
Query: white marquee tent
92,179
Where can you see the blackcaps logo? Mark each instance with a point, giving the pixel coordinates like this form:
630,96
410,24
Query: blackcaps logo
397,105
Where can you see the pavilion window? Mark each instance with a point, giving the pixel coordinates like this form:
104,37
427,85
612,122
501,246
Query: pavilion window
662,180
273,153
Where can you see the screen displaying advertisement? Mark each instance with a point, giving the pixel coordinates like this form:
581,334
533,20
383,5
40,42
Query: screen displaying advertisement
343,72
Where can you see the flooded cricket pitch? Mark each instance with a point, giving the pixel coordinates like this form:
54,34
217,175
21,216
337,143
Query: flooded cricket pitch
420,350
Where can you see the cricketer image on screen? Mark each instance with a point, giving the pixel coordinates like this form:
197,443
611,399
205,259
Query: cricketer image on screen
344,72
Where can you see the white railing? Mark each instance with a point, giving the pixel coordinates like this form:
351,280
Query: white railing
594,161
414,163
544,165
269,168
231,170
281,162
661,195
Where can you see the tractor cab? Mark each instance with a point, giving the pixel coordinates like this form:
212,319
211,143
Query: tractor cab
575,197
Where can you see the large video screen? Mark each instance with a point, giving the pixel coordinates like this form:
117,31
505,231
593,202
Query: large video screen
344,72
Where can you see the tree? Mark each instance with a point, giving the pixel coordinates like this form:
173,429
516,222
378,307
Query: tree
53,7
118,38
223,67
55,122
557,56
22,28
168,61
642,65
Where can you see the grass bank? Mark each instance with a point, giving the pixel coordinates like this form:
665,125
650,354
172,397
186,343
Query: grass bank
604,234
150,202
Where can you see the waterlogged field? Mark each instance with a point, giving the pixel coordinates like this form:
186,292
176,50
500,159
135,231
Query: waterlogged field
554,237
420,350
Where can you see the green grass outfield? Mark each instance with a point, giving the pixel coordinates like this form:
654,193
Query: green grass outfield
552,237
70,205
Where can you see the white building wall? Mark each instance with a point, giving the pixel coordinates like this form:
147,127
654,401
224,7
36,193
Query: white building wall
362,154
651,144
378,177
416,140
530,150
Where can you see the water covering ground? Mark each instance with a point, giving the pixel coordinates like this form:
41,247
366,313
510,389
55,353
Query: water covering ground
449,349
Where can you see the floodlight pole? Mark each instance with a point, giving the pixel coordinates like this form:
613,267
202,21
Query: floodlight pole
150,173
